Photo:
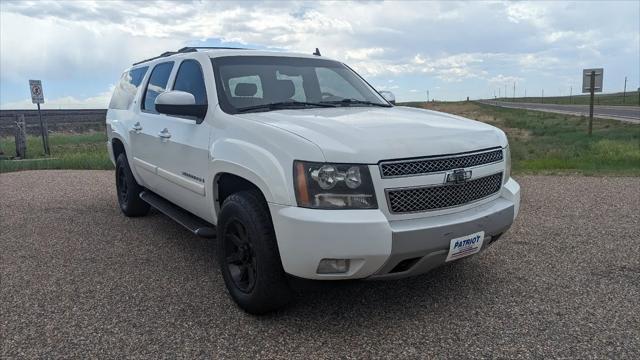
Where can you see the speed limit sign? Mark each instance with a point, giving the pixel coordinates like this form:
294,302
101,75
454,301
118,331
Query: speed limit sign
37,96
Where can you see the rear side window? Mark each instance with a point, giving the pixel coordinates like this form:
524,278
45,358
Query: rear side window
126,90
156,86
189,79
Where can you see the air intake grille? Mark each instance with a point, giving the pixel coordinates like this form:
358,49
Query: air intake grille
440,197
425,166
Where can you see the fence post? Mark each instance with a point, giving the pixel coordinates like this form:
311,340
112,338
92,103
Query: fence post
21,137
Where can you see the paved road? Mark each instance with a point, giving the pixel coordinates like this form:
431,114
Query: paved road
80,280
623,113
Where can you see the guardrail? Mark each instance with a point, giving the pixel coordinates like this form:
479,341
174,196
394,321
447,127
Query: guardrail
57,120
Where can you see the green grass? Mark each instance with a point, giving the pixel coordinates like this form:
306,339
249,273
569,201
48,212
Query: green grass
599,99
68,151
556,143
540,143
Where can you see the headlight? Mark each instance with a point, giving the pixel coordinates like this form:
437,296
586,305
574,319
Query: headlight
333,186
507,164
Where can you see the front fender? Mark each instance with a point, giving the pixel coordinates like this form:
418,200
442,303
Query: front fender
254,164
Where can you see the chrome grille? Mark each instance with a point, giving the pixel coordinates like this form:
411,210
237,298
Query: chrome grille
430,165
442,196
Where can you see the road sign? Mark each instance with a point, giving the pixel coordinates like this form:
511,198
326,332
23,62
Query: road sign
586,80
37,96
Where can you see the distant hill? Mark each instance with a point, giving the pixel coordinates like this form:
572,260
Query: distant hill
631,99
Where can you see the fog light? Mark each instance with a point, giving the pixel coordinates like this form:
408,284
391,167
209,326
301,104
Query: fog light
333,266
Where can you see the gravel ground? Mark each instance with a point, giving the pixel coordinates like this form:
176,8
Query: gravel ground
78,279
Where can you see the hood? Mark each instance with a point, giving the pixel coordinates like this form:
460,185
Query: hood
371,134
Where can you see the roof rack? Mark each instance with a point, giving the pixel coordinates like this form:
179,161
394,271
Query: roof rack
188,49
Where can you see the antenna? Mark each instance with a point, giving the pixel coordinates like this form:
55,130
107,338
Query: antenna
317,52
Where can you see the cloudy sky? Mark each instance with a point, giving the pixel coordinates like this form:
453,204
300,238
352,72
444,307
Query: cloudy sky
451,49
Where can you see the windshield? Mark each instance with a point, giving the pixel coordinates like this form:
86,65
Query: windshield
256,83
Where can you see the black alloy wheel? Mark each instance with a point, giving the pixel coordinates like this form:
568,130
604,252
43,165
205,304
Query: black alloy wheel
240,256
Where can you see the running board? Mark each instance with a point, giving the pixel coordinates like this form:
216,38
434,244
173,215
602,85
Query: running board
193,223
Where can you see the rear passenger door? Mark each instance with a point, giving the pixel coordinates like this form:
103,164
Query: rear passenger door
183,146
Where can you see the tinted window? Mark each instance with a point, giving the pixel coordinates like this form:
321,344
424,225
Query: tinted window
190,79
298,89
333,84
126,90
252,79
157,85
245,82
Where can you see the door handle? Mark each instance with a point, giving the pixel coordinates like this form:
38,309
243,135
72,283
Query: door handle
164,134
136,127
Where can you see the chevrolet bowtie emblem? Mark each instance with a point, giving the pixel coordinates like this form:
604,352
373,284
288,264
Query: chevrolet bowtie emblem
458,176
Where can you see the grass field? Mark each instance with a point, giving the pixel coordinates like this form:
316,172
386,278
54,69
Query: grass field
599,99
540,143
555,143
68,151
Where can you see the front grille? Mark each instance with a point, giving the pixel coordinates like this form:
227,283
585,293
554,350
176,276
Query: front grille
442,196
431,165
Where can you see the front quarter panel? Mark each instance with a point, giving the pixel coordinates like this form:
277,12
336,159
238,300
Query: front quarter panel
260,153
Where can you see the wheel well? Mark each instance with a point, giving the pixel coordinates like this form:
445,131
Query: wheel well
118,148
227,184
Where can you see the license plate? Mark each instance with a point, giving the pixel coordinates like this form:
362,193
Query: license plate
465,246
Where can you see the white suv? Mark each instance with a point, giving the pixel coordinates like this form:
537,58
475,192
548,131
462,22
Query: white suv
299,167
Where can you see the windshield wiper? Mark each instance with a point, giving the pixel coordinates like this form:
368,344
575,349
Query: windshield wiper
284,105
348,102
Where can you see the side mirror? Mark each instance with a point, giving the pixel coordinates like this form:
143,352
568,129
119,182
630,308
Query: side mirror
180,103
388,95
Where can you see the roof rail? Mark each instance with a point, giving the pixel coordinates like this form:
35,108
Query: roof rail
196,48
188,49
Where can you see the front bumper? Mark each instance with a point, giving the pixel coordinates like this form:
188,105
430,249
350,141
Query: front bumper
379,248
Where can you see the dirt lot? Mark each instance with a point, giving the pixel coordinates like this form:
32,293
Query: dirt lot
78,279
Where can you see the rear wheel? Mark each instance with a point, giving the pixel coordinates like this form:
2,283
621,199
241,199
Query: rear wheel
128,190
248,254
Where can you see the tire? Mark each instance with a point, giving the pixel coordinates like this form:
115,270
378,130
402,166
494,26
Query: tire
128,190
248,254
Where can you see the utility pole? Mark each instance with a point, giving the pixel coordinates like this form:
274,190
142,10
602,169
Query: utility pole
514,91
505,92
624,93
570,94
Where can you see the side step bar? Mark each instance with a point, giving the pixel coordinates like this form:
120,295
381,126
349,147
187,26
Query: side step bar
193,223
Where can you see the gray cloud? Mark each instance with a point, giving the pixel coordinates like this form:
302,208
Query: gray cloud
451,42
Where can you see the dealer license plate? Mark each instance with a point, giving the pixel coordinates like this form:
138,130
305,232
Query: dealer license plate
465,246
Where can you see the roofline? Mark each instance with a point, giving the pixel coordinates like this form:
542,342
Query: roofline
189,49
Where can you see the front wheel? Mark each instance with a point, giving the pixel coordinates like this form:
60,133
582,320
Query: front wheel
248,254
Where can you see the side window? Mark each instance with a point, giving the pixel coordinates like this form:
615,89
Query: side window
156,86
126,90
333,84
191,80
244,90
